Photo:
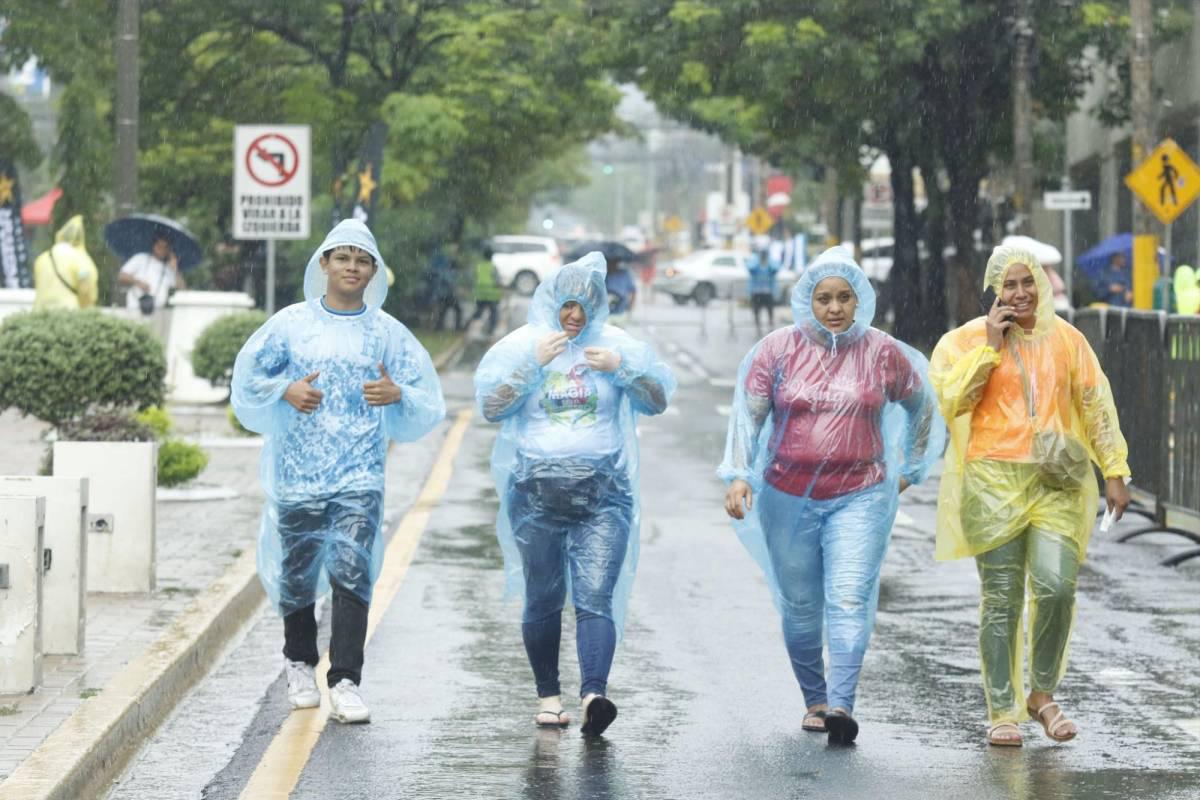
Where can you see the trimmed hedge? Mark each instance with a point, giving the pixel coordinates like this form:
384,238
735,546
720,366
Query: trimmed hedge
179,462
218,345
59,365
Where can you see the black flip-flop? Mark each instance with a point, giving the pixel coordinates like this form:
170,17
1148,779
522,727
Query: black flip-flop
558,723
819,715
599,715
841,726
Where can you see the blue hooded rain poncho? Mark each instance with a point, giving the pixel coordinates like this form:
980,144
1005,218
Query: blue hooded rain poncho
323,473
823,428
566,459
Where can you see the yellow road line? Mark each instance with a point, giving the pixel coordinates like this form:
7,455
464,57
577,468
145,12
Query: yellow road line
279,770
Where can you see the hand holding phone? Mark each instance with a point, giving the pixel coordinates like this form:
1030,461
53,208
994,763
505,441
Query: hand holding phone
999,318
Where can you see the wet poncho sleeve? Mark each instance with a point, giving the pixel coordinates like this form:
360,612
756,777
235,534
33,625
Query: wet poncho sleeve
421,405
508,374
261,377
959,378
1097,410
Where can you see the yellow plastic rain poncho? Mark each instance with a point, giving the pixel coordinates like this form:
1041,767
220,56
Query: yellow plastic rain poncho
65,275
1187,290
992,488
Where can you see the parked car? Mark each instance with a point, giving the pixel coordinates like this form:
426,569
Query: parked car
708,274
877,258
523,261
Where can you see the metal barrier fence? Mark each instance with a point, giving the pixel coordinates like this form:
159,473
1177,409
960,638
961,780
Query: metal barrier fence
1152,362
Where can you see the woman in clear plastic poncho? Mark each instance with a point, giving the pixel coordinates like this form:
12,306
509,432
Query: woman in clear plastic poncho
831,420
1029,410
328,382
65,275
568,389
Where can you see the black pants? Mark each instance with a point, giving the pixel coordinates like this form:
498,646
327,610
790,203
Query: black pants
763,301
492,308
334,535
346,642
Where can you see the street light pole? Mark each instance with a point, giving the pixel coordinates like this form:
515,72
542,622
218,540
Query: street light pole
1141,65
125,183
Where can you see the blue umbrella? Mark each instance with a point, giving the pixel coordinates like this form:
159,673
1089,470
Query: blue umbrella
1094,261
136,233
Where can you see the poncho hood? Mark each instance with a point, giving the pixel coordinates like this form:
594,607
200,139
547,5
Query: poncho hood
836,262
72,233
347,233
581,281
1004,258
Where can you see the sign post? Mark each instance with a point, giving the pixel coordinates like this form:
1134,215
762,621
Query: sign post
1167,182
272,188
1067,201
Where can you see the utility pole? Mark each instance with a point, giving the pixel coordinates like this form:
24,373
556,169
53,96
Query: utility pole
1022,116
1145,243
125,183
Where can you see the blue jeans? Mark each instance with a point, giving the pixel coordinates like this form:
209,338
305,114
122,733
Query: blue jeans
827,556
571,520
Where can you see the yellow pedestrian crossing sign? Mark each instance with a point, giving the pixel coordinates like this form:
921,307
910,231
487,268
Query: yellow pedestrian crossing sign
673,224
1167,181
760,221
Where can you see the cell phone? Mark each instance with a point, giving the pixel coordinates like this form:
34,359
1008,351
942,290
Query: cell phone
987,300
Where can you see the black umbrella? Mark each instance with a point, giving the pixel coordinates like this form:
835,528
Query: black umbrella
611,250
136,233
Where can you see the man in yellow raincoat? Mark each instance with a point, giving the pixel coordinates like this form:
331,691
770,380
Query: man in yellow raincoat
65,275
1029,411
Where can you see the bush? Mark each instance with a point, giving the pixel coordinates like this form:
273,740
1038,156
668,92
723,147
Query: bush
59,365
218,345
179,462
157,419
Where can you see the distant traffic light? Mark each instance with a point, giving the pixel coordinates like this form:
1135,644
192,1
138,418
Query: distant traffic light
608,169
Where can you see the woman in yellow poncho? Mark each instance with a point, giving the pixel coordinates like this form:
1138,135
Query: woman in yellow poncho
65,275
1029,409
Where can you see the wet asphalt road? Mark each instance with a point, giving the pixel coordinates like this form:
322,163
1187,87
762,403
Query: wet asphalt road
708,705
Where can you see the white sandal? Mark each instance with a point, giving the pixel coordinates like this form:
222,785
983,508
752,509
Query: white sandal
992,739
1057,721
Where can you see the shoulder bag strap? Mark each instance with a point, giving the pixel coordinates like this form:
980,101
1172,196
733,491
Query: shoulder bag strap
54,264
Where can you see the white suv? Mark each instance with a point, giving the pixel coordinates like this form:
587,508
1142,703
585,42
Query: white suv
524,261
707,274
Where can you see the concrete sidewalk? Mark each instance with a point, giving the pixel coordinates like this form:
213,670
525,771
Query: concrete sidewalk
145,650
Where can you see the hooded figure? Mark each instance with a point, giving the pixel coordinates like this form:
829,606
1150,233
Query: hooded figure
568,390
831,419
328,382
1029,412
65,275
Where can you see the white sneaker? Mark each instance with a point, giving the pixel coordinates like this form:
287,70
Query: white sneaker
346,703
302,685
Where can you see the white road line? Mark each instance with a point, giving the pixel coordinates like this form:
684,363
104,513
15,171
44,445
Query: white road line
723,383
724,411
1190,726
671,411
904,519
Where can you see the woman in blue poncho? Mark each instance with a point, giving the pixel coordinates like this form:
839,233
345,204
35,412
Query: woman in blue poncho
328,382
568,389
831,420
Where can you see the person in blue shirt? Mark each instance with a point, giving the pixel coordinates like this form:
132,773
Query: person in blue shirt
622,291
762,287
328,382
1114,284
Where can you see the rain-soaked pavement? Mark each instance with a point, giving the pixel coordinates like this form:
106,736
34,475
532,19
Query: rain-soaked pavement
708,705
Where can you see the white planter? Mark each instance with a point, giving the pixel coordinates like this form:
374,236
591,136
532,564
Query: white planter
21,530
64,584
122,478
14,300
191,313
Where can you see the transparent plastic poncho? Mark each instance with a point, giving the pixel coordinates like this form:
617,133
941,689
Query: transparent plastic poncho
571,432
832,421
323,473
992,488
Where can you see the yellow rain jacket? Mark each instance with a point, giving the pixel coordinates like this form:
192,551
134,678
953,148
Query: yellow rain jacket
74,284
992,488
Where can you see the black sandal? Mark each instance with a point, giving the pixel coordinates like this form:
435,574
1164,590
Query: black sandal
598,715
815,728
841,726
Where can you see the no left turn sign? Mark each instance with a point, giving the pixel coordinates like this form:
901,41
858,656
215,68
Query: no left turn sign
272,159
271,182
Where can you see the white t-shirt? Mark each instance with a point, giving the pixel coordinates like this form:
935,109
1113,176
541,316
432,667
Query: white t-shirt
573,413
145,267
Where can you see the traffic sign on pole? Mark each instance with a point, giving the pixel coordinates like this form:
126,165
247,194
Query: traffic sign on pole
1067,201
760,221
1167,181
272,185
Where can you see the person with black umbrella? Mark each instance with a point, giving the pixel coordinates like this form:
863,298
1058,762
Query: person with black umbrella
151,276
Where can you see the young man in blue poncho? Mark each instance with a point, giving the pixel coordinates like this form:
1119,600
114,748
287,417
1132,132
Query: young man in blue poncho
328,382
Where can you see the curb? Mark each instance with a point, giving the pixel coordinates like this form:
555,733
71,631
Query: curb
92,746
